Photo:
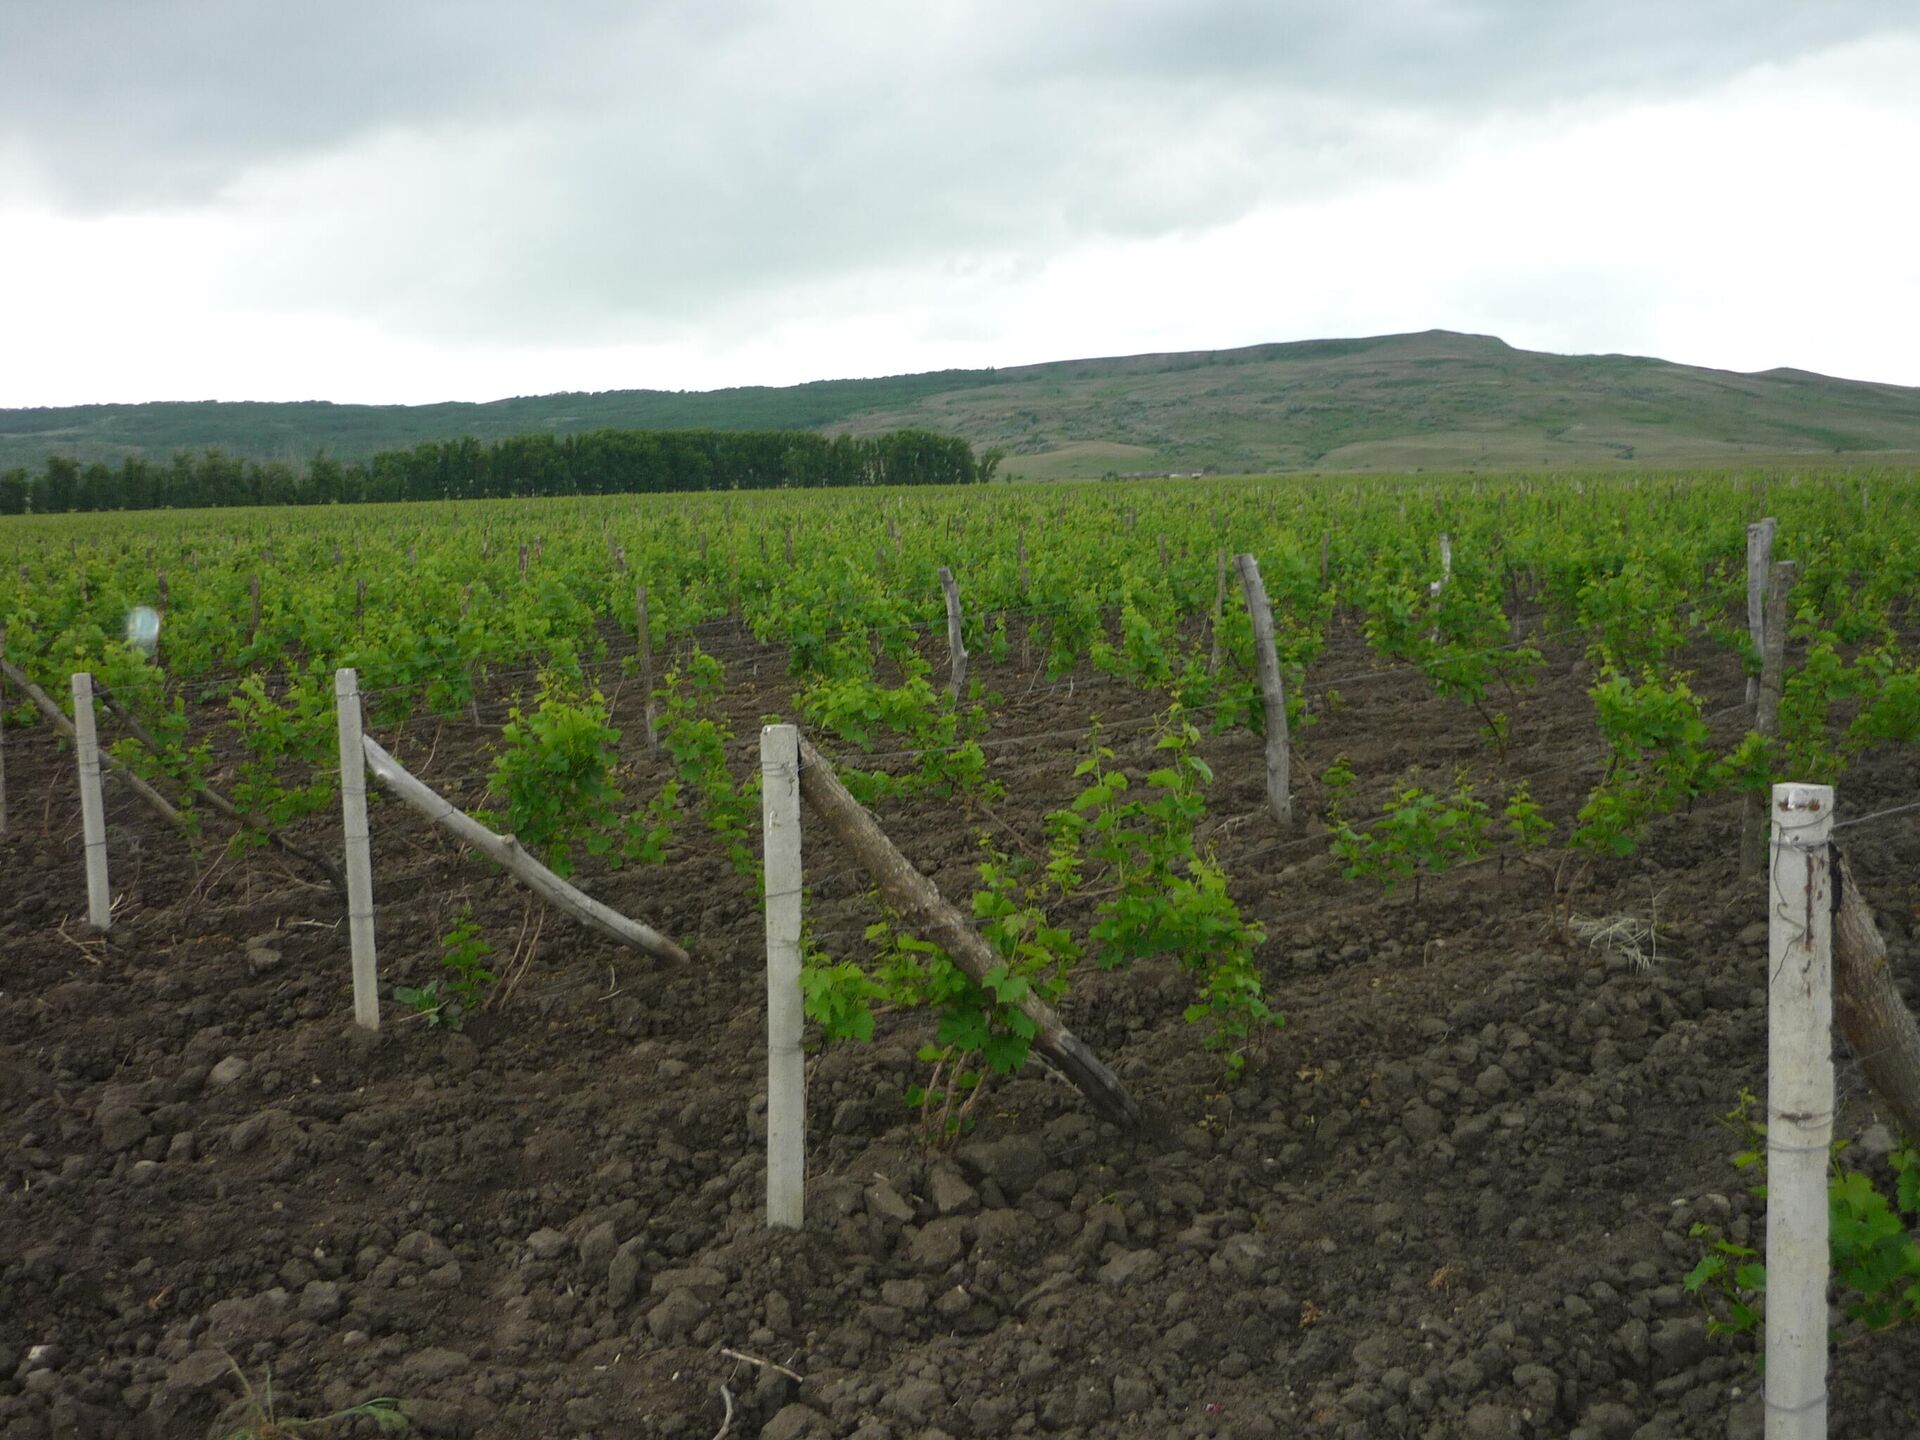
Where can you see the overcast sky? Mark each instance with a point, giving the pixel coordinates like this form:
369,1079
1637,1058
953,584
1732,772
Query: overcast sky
466,199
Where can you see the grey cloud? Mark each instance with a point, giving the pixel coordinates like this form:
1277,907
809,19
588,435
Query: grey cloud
135,103
593,170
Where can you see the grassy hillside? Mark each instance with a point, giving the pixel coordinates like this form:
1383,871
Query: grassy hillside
1435,399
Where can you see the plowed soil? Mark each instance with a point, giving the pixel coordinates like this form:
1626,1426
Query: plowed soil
1452,1197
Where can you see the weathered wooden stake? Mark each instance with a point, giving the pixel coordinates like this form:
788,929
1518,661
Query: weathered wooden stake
1025,578
645,632
927,914
510,855
1799,1109
360,598
1759,566
253,622
359,847
93,811
523,562
1219,606
786,1066
1766,715
789,546
1279,763
956,646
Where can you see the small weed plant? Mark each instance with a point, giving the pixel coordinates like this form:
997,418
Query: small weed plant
449,998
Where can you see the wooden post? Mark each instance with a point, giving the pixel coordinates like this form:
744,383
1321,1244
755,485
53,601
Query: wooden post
1161,541
620,559
353,806
786,1066
1766,719
360,598
1219,605
927,914
1279,764
93,812
956,646
1799,1109
789,545
1326,571
1873,1016
1759,567
1025,578
523,562
253,623
645,632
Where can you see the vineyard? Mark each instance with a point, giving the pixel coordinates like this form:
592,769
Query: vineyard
1426,946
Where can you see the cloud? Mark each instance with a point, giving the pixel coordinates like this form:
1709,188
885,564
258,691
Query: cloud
690,193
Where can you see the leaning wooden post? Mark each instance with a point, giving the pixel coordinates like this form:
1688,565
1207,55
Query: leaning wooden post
956,646
93,813
646,659
1759,567
786,1067
927,914
1279,764
353,805
1766,718
1799,1109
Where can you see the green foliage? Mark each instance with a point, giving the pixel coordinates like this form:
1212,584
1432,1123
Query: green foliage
697,746
1659,758
1163,897
1420,834
1458,637
555,772
289,759
448,999
1529,827
1873,1256
859,710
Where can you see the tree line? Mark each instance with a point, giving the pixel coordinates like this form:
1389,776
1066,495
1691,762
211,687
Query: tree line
594,462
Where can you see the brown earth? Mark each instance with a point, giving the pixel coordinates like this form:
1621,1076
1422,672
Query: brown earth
1451,1198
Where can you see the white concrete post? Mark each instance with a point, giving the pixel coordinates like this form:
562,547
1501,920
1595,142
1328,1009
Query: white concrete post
786,1067
93,812
353,806
1799,1108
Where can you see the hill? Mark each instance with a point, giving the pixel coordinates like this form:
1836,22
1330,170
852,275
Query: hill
1434,399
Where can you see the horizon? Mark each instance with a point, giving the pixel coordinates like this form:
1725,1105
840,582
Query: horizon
975,369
